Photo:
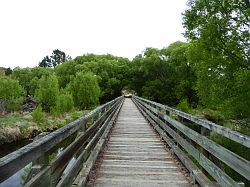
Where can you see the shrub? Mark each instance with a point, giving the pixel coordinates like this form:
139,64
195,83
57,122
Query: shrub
85,90
47,92
11,93
183,106
38,115
213,115
64,103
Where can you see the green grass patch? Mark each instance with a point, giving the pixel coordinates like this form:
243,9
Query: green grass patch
10,120
16,126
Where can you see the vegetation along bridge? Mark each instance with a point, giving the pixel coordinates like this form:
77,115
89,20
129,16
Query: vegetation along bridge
131,142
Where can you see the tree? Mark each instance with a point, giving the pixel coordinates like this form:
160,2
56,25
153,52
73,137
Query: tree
164,75
65,71
46,62
47,92
219,31
24,76
64,103
28,77
57,57
112,73
85,90
185,77
11,94
222,26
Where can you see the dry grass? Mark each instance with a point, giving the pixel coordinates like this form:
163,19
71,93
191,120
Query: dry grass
17,126
9,134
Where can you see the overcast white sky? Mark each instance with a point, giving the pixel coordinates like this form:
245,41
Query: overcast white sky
31,29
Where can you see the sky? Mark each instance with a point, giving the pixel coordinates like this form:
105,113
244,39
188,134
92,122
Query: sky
32,29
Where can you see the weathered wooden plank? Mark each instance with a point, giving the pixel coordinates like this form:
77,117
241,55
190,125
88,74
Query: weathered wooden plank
233,160
84,173
233,135
148,169
61,162
132,175
15,161
76,167
53,169
42,179
212,169
37,164
106,182
137,157
195,172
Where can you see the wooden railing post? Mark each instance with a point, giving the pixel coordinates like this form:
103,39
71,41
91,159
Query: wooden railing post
205,132
83,127
40,162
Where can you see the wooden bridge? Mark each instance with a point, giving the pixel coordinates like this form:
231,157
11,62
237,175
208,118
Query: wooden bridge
131,142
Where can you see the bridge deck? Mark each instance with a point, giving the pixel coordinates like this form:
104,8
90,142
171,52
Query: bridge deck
136,156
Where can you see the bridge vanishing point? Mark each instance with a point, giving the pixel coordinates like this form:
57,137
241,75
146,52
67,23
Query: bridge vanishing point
131,142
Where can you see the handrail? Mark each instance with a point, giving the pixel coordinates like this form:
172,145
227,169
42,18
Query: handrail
174,127
228,133
15,161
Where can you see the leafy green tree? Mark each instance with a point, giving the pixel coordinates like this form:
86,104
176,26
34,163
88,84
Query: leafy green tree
23,75
164,75
57,57
153,78
37,73
220,53
11,92
38,115
64,103
28,77
85,90
47,92
65,71
46,62
112,72
185,76
222,26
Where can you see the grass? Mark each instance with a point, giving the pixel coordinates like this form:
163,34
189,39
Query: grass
12,119
17,126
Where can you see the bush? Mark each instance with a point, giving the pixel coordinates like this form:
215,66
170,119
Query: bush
64,103
213,115
47,92
183,106
11,93
85,90
38,115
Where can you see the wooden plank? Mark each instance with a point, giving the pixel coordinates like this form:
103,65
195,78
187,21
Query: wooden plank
68,178
84,173
107,182
228,133
211,168
239,164
59,164
15,161
42,179
195,172
137,157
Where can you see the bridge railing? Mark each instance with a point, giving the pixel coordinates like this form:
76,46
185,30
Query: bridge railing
207,153
82,152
